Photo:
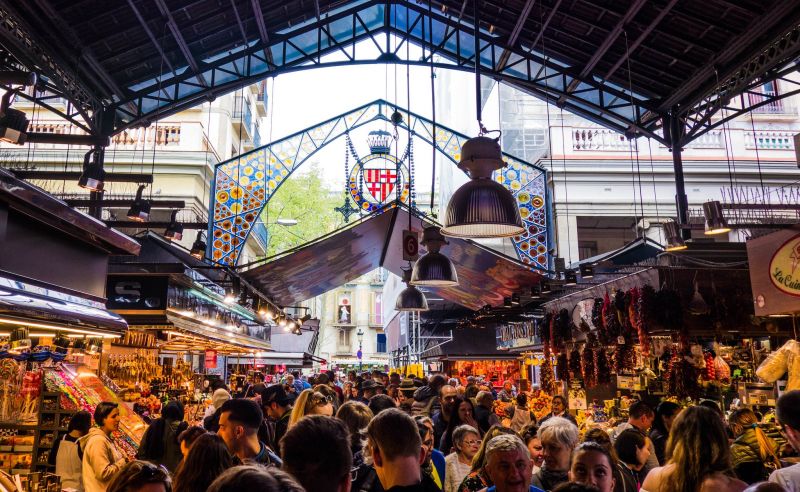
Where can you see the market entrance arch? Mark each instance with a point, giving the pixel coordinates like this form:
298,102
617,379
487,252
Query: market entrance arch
243,185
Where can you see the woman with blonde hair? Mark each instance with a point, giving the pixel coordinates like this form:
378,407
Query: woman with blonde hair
477,479
311,402
699,458
753,453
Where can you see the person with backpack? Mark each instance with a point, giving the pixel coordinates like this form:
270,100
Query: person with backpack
519,414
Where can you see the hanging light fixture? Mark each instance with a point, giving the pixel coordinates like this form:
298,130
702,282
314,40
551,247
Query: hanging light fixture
570,278
13,122
434,268
481,208
515,300
546,288
675,240
410,298
140,210
587,271
199,247
506,302
536,291
174,230
93,176
715,221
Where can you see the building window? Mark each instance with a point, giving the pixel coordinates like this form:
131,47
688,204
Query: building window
380,344
344,338
376,316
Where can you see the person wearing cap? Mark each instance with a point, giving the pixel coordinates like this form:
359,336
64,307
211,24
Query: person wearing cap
369,388
406,393
277,405
218,398
507,394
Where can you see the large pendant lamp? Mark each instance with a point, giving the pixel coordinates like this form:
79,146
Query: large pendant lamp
675,240
481,208
410,298
434,268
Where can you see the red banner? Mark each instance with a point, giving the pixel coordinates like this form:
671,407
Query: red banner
211,359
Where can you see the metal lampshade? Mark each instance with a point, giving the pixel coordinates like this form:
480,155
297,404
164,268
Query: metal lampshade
482,208
93,176
715,221
199,247
410,298
140,209
570,278
587,271
674,238
434,268
174,230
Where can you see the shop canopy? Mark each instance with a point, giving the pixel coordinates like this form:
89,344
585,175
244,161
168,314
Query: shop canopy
469,344
628,65
485,276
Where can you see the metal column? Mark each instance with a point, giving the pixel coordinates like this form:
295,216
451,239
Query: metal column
675,131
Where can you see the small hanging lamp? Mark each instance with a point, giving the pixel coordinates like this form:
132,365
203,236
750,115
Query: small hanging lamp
174,230
93,176
199,247
434,268
140,209
715,221
410,298
675,240
587,271
482,208
570,278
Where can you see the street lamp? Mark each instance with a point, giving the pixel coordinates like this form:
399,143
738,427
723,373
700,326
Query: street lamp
359,354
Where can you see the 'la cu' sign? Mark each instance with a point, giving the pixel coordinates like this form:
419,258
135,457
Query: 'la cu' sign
784,267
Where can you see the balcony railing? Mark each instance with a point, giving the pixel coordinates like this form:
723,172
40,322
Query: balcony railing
772,107
599,139
769,140
163,135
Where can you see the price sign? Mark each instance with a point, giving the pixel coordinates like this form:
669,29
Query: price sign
410,245
211,359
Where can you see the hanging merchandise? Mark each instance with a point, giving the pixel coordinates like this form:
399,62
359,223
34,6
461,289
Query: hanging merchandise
575,371
562,329
722,371
547,384
588,368
610,322
597,317
682,376
710,373
785,359
642,296
601,367
562,367
624,358
698,305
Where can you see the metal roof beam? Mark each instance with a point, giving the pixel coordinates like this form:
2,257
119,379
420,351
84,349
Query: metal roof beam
545,24
640,39
736,54
152,36
605,45
515,32
262,30
176,33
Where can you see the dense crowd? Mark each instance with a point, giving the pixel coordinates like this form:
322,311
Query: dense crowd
376,433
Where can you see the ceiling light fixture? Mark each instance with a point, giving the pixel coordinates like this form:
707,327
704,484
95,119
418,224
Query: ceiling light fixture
587,271
433,268
93,176
515,300
140,209
174,230
536,291
715,221
546,287
507,302
675,241
482,207
410,298
570,278
199,247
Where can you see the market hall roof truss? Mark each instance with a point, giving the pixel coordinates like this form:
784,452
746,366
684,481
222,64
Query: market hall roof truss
485,276
624,64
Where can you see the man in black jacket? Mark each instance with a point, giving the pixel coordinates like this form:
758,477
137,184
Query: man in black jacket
277,405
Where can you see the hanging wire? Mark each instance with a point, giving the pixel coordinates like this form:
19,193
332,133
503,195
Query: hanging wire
634,142
655,192
433,109
758,159
158,110
549,127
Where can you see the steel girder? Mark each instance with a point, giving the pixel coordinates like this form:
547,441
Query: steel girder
449,41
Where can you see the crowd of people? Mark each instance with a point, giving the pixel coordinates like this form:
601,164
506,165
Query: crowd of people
378,433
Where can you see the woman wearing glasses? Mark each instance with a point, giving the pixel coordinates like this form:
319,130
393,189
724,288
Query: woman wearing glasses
141,476
310,402
466,442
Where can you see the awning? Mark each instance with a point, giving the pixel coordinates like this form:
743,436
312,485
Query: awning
47,310
220,339
469,344
485,276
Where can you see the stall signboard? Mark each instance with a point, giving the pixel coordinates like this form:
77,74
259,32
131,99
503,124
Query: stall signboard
137,292
774,262
211,359
516,335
